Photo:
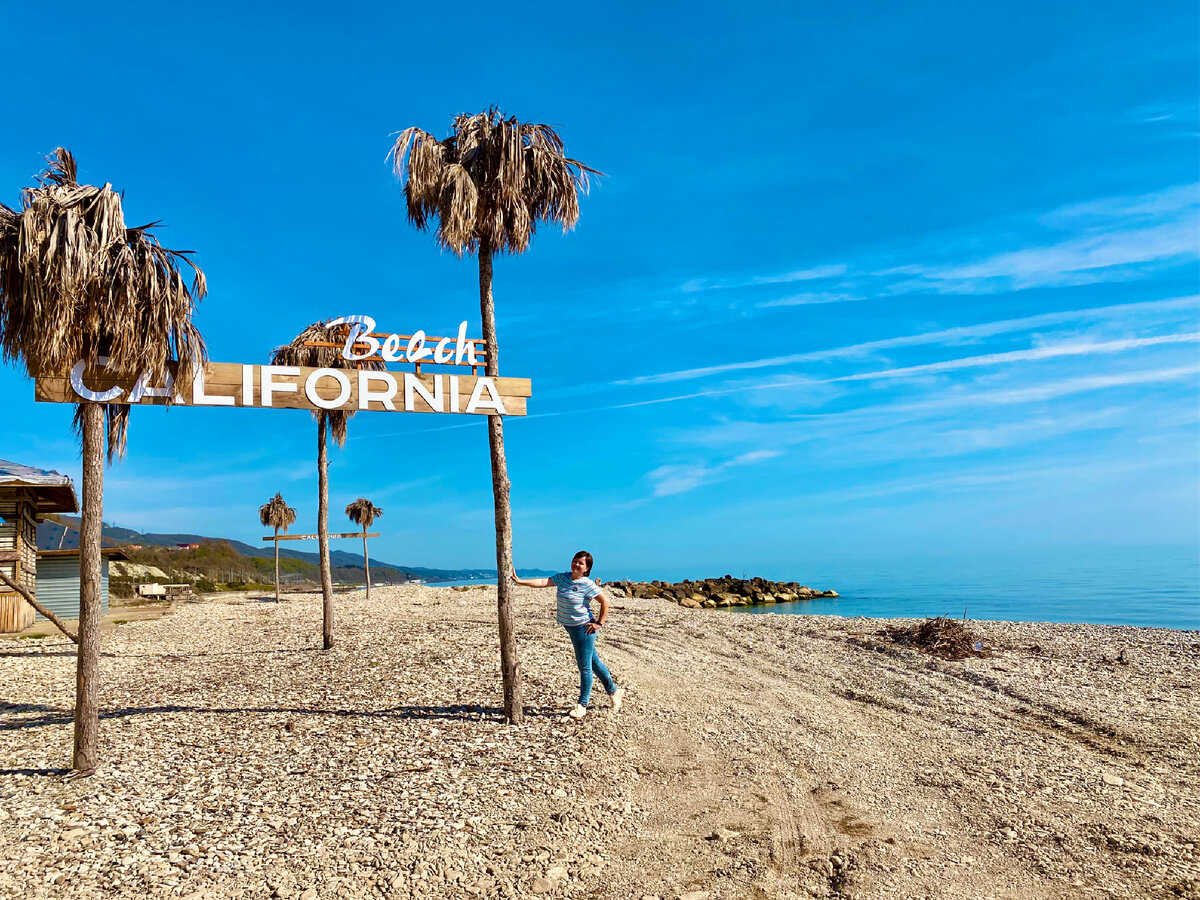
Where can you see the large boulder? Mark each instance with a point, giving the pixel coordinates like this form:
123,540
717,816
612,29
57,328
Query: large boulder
723,592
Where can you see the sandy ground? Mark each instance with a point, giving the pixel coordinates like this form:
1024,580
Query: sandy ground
760,756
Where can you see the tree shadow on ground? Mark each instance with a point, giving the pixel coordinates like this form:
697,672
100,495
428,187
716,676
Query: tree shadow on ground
51,715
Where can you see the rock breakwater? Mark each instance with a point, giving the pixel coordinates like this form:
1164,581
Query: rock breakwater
725,591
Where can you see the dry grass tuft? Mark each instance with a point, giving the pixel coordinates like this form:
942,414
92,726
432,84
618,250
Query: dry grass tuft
941,637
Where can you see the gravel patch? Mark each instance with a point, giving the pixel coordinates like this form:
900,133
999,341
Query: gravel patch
757,756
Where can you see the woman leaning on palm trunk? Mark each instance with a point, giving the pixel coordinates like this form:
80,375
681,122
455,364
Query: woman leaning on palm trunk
576,591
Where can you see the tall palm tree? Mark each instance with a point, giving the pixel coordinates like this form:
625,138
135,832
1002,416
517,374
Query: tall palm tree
363,512
77,284
488,184
301,352
275,512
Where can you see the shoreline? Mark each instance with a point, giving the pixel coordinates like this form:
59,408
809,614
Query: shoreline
785,756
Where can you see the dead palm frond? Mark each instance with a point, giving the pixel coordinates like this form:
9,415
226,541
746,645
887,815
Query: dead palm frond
363,512
77,284
491,181
275,513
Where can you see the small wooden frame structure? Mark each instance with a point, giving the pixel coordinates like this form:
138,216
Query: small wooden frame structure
313,537
26,495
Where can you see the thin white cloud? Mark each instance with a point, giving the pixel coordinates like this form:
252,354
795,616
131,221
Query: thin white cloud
1115,239
1023,395
946,336
680,478
1102,257
810,274
1108,239
1037,353
813,299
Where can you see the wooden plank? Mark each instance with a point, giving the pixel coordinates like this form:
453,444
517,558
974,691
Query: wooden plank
223,386
313,537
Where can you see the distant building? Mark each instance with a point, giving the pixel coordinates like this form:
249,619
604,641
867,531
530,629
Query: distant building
188,546
27,495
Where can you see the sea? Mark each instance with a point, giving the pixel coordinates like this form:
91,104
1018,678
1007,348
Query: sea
1145,586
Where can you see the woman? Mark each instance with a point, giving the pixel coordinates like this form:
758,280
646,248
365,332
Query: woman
575,594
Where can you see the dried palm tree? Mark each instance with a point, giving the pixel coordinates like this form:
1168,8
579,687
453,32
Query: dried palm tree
363,512
300,352
487,185
77,284
276,513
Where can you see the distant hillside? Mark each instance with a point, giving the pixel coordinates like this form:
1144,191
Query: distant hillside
223,560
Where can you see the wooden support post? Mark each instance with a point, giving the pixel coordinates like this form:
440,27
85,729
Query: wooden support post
58,623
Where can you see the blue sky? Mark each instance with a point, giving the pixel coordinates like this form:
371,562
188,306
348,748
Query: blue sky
868,280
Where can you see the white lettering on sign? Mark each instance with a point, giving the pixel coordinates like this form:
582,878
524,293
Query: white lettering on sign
87,393
143,389
270,386
416,351
367,394
233,384
477,403
413,385
310,388
200,398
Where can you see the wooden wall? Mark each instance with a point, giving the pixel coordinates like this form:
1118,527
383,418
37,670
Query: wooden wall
18,557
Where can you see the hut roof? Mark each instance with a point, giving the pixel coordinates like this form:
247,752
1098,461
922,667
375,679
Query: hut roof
54,492
109,552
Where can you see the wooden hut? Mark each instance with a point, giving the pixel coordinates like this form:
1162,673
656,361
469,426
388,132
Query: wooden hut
26,495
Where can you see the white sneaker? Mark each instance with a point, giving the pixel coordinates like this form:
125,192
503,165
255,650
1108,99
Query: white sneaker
578,712
617,697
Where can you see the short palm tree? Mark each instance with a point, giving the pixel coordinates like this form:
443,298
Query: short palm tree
487,185
277,514
363,512
77,284
301,352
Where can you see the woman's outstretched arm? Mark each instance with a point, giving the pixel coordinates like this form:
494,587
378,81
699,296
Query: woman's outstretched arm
530,582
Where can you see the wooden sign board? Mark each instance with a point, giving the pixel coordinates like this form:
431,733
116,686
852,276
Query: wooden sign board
296,387
313,537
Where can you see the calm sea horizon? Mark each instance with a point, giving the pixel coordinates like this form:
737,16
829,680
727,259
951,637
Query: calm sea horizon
1156,587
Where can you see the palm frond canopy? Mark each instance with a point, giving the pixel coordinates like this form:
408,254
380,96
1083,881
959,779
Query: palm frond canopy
275,513
77,284
299,352
363,512
493,179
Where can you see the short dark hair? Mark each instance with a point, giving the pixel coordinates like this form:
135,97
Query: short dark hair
583,554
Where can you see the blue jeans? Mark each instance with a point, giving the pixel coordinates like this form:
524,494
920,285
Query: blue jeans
584,645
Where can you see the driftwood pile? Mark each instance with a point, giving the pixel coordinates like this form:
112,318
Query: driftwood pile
941,637
712,593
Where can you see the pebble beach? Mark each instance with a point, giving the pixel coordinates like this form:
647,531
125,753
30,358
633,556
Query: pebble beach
768,756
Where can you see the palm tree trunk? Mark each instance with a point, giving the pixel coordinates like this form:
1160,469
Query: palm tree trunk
510,666
276,563
323,532
366,562
87,666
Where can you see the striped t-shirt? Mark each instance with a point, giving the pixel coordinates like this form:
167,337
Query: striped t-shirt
574,599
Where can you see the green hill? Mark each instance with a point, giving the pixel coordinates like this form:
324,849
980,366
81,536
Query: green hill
223,561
